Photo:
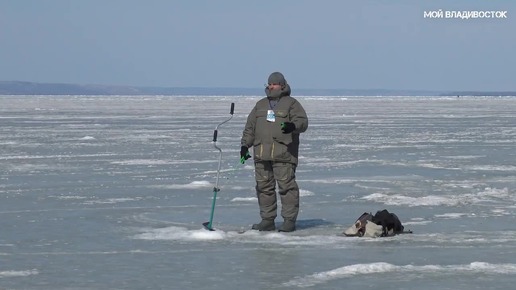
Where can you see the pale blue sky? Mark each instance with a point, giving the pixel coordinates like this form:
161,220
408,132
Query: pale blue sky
335,44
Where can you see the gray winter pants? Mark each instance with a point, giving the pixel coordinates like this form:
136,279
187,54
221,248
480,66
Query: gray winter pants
267,174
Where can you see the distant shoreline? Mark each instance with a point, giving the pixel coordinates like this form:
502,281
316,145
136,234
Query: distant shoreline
32,88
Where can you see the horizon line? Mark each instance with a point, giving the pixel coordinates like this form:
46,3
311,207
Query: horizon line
114,86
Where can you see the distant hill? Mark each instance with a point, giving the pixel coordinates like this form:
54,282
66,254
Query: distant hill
31,88
481,93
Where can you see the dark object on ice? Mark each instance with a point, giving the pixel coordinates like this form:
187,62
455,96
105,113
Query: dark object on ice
390,223
382,224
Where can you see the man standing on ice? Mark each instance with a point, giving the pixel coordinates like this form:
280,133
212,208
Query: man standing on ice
273,129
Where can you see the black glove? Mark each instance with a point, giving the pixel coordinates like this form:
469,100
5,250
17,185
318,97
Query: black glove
288,127
244,154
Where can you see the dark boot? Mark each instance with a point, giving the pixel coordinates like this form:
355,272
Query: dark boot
265,225
287,226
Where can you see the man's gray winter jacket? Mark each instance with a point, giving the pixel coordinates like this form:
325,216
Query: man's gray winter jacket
268,141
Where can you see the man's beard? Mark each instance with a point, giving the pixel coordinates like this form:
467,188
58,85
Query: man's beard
273,94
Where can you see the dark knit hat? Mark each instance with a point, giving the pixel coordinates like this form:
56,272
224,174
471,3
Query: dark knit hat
277,78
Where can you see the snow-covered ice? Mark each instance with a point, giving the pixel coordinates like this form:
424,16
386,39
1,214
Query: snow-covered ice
110,192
